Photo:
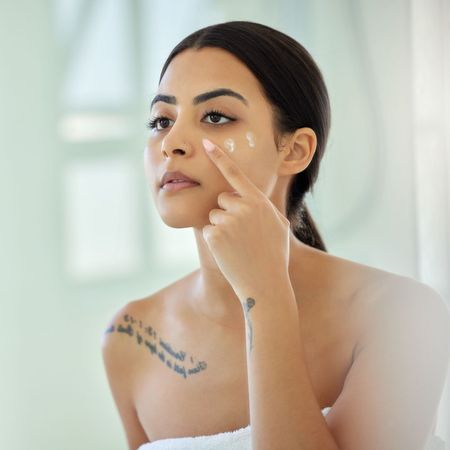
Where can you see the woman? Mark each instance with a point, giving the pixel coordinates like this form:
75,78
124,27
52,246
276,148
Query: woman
314,351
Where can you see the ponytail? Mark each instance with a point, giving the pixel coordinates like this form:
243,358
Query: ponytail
305,229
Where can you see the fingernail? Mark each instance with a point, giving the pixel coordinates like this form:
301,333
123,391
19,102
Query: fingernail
209,146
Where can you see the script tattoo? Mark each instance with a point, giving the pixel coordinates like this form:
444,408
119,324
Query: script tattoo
248,305
147,337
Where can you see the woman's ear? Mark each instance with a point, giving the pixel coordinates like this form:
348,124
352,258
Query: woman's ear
297,151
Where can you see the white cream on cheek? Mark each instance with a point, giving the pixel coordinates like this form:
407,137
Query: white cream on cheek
229,144
250,138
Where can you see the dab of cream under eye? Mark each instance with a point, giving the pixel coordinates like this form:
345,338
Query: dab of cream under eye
250,138
229,144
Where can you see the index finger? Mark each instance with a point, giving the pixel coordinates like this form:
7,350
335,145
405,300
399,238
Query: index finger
230,170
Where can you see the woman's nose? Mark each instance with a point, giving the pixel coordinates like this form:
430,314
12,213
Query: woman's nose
175,142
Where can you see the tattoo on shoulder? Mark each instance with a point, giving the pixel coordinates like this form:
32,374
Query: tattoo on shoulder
148,338
248,305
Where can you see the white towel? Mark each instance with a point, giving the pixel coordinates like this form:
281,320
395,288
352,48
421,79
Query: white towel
237,440
231,440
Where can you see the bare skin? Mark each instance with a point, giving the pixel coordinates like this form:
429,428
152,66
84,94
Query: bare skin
177,358
333,297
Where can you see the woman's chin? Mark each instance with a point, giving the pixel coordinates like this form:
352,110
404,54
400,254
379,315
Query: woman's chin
184,220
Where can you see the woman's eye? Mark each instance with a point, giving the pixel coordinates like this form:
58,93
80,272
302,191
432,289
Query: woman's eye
158,123
163,122
215,118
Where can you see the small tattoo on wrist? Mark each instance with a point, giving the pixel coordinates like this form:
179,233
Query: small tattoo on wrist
248,305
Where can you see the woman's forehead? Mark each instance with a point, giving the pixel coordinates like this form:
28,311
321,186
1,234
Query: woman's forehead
201,70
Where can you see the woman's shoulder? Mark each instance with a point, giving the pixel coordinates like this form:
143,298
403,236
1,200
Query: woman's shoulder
402,303
161,308
394,292
414,302
372,285
140,322
156,304
372,294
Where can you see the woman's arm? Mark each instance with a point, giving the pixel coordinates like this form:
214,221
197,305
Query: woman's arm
248,237
392,390
284,412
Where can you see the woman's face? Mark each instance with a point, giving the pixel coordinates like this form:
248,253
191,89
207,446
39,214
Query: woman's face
240,126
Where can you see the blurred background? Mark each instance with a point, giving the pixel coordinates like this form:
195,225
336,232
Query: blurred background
79,234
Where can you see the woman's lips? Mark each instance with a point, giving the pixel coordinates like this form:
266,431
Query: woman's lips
174,186
176,175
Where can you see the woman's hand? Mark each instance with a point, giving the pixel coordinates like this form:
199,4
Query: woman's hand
248,236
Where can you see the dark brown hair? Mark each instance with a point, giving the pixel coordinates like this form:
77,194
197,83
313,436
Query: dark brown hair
292,83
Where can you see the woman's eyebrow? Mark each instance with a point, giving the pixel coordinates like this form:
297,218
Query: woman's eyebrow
217,93
201,97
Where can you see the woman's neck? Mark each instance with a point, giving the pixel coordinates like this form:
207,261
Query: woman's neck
214,297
